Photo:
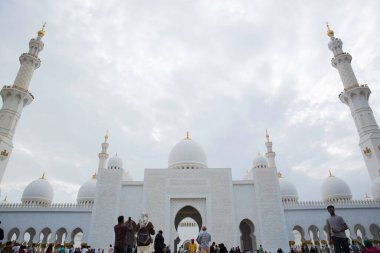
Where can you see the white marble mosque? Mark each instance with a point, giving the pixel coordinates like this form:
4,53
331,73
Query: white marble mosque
262,208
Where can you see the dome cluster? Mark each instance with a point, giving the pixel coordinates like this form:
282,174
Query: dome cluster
335,189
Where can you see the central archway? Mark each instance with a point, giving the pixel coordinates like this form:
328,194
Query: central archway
187,223
247,237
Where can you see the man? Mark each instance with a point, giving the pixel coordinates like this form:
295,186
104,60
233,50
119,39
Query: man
144,230
120,235
212,248
192,247
130,235
336,228
159,243
204,239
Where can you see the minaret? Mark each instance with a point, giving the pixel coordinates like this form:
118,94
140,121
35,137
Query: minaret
270,210
103,155
270,154
16,97
107,199
356,97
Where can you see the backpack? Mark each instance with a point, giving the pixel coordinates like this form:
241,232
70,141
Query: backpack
143,237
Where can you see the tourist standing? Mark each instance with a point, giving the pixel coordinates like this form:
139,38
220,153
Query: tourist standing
144,230
204,239
110,249
212,248
130,235
159,243
120,236
336,235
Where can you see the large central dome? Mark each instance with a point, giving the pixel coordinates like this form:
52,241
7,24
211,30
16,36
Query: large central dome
187,154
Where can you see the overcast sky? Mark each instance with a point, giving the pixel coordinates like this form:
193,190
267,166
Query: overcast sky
148,71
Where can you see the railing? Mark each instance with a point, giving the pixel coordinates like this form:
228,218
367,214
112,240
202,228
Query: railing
340,203
47,206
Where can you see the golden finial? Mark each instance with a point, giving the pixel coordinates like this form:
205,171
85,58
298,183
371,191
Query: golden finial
41,32
330,32
279,175
267,135
330,174
187,136
106,137
366,196
5,198
43,176
94,176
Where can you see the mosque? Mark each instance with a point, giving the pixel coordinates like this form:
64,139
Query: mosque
262,208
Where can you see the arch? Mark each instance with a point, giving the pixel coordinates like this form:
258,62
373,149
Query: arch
314,233
247,236
193,215
188,211
76,236
375,231
13,234
360,232
45,235
60,235
31,232
299,234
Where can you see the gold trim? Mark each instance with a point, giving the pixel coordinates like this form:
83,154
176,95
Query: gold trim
41,32
330,32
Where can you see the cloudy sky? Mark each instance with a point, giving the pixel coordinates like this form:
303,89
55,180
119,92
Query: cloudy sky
148,71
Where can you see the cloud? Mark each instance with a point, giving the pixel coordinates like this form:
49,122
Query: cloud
224,70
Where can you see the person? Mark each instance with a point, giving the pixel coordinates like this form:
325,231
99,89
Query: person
192,246
212,248
62,249
130,236
110,249
369,247
120,235
49,248
261,250
336,235
204,239
1,234
144,231
159,243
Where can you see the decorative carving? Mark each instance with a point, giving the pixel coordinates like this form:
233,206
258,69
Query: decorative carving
4,154
367,151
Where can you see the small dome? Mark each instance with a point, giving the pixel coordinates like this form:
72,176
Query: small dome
187,154
335,189
127,176
260,161
38,192
86,193
115,163
287,188
248,175
376,188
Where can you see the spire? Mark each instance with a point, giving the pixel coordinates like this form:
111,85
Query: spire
187,136
330,32
267,134
94,176
330,174
43,176
106,137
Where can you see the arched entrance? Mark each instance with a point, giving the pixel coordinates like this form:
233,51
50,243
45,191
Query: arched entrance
360,232
299,234
375,231
187,223
76,237
29,235
13,234
314,234
247,236
60,236
45,235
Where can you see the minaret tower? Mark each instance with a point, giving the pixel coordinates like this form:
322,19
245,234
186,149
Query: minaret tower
107,199
356,97
16,97
270,209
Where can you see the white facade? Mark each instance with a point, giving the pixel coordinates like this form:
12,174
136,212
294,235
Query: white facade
261,209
